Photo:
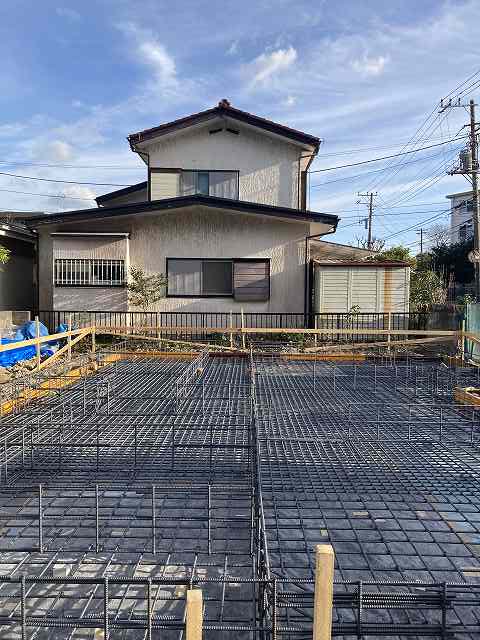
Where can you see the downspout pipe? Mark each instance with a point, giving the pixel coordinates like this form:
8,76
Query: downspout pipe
307,295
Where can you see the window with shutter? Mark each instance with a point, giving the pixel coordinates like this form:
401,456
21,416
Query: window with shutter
244,279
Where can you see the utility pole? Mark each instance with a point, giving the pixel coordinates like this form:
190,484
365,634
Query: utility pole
421,239
369,195
469,169
474,174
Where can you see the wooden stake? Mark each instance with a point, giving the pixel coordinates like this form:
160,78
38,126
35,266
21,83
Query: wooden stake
243,328
389,339
231,327
37,343
69,337
316,335
94,341
323,603
194,615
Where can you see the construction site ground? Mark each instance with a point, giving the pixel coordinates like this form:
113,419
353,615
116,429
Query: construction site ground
155,475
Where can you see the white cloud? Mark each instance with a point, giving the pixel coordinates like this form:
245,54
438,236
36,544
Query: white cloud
59,150
290,101
233,48
69,14
151,52
370,66
267,65
155,54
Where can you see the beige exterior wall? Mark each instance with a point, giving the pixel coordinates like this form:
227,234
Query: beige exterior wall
194,233
164,185
268,166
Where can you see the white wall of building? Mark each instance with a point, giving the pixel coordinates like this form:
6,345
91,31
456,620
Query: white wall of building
461,227
194,232
268,166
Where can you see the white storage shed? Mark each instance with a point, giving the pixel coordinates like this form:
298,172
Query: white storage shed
375,287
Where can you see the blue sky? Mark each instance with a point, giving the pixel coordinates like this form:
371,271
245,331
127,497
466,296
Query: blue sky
77,77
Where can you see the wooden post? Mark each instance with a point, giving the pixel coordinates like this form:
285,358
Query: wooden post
37,344
316,335
194,615
243,328
231,327
462,341
323,603
94,341
69,337
389,339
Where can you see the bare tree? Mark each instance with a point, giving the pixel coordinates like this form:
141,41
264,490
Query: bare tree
439,235
377,244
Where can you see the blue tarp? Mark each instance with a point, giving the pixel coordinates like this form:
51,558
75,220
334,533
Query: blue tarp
7,358
27,332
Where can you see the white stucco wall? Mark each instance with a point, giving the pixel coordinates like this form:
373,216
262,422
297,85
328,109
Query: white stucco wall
460,216
201,233
268,166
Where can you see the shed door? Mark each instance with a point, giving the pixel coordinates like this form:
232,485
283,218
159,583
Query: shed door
366,289
332,290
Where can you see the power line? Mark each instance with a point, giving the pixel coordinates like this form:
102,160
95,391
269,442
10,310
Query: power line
70,166
46,195
373,148
414,226
366,173
97,184
394,155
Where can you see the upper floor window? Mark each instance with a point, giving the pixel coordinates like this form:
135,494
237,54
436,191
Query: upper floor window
89,273
222,184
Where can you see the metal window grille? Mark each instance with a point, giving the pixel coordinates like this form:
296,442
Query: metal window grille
78,272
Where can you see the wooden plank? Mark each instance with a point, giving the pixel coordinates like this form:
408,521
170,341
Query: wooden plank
277,330
37,343
172,341
194,615
354,332
323,599
32,342
69,337
362,345
67,347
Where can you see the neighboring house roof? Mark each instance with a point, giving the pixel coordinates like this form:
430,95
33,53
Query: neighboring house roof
452,196
17,231
325,251
106,197
362,263
224,109
183,201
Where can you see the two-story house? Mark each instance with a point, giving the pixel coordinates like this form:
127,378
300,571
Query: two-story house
222,214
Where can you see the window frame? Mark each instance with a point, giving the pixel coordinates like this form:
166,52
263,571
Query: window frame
89,263
197,171
215,295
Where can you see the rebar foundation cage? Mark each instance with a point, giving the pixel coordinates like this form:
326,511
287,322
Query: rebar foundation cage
151,476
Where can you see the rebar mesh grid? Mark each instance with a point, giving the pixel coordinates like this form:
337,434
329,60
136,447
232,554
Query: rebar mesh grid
391,484
246,479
